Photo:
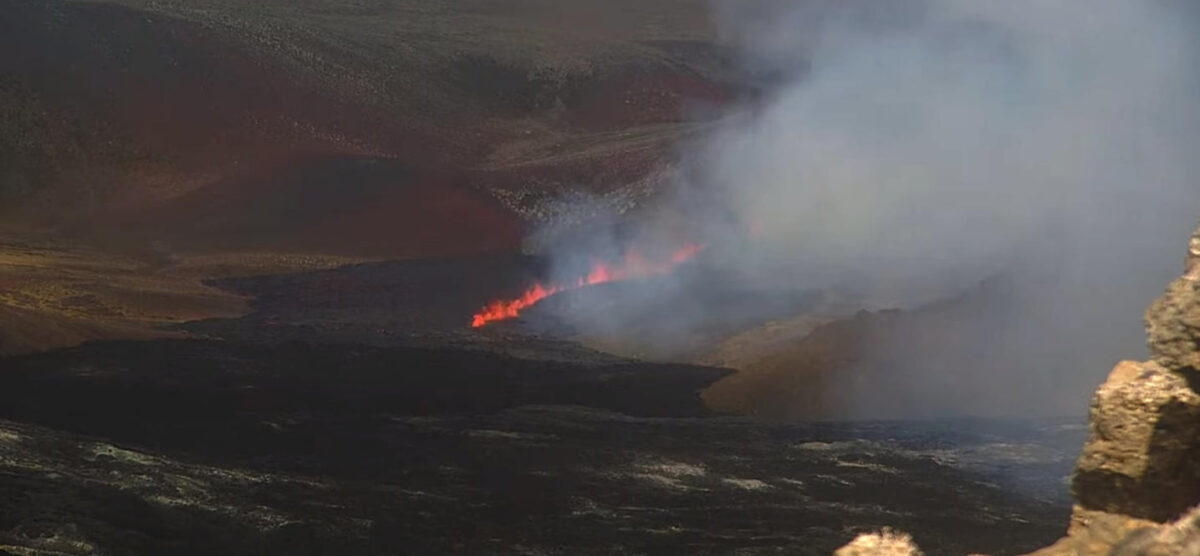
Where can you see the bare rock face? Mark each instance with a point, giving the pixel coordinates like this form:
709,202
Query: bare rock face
1173,321
1106,534
1181,538
883,543
1143,456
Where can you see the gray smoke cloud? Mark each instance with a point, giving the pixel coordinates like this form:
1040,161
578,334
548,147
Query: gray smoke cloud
909,149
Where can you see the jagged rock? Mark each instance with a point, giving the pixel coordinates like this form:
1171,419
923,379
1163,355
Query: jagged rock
1181,538
1141,464
883,543
1173,321
1142,458
1193,258
1094,533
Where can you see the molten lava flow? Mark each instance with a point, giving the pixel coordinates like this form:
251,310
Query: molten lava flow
500,309
634,266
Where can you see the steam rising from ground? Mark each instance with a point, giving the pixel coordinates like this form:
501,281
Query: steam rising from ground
908,149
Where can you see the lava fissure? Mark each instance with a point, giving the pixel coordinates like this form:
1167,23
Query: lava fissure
633,266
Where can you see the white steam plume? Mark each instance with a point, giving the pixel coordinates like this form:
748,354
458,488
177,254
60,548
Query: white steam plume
912,148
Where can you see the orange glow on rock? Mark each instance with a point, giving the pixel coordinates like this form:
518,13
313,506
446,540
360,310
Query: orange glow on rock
633,266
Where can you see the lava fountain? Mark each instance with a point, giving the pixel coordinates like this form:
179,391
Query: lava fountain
633,266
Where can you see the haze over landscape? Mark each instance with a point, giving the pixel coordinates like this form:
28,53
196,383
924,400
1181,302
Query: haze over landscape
547,277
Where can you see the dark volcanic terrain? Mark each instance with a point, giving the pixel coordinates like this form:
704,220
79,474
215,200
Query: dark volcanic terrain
332,420
241,244
193,447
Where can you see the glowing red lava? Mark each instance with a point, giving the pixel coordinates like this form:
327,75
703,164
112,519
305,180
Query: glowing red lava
634,266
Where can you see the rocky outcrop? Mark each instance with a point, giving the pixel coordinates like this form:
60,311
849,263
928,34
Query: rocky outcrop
1181,538
1115,535
884,543
1142,458
1141,464
1173,321
1140,467
1094,533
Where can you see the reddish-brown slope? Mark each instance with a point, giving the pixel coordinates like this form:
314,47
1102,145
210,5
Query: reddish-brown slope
187,121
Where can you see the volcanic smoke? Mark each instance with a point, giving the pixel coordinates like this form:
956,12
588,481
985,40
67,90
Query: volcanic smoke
633,266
